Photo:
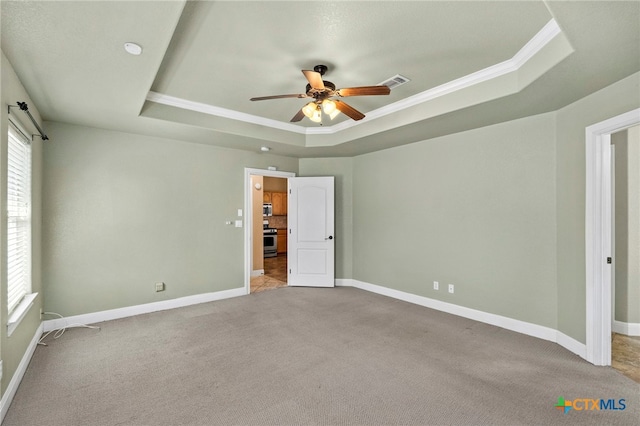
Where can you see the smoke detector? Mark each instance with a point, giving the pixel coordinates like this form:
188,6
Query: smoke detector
133,48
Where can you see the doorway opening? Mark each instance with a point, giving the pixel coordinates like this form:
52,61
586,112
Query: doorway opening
599,234
274,229
625,283
265,230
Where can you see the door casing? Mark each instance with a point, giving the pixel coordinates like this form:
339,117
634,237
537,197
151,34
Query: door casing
598,234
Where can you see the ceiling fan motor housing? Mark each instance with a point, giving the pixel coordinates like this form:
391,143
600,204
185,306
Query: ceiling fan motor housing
329,89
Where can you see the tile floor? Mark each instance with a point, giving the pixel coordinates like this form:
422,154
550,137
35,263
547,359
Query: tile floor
275,274
625,355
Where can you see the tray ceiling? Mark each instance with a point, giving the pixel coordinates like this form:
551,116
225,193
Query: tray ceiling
202,61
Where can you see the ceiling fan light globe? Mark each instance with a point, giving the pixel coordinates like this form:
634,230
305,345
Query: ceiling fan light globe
309,109
334,114
317,116
328,106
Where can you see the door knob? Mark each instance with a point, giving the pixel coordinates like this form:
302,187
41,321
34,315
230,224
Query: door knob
329,238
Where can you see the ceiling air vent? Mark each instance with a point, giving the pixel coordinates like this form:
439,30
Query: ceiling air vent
395,81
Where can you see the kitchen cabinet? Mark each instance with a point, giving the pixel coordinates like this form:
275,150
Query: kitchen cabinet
282,241
279,202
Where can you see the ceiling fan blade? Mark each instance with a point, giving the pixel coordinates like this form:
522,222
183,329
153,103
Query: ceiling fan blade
315,79
264,98
349,111
364,91
299,116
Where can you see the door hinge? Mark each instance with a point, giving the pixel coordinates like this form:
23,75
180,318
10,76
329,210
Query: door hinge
609,260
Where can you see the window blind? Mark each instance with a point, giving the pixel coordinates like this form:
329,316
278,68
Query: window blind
18,217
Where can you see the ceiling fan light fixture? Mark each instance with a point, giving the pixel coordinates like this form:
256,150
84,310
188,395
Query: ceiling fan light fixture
328,106
317,115
309,109
321,90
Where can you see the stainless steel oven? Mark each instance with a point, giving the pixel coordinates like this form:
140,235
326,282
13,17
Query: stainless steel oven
270,242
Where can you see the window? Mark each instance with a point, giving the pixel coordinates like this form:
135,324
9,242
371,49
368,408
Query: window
18,218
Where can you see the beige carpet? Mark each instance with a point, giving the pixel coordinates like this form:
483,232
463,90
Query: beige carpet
300,356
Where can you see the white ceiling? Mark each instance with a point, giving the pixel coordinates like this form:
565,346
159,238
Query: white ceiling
470,64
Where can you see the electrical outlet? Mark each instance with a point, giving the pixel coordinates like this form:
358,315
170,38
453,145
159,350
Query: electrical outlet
450,288
159,286
436,286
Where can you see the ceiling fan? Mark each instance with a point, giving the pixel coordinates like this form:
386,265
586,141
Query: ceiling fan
321,91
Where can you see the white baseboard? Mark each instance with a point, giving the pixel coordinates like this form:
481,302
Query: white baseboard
130,311
343,282
257,272
626,328
572,345
10,392
518,326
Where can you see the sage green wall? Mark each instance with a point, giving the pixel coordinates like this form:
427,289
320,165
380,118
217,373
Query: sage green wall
620,97
342,169
474,209
13,348
125,211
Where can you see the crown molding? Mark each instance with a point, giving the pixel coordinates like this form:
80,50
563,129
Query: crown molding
163,99
533,46
528,51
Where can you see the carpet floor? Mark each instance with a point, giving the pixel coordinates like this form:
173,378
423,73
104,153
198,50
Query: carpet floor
302,356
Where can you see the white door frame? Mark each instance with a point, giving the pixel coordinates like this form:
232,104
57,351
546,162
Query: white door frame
598,234
248,217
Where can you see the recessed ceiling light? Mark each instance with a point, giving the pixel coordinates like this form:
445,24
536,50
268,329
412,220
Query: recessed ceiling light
265,149
133,48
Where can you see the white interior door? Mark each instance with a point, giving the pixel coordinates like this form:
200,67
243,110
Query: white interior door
311,242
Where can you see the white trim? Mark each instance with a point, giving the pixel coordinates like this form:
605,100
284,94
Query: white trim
544,36
571,345
598,234
248,217
130,311
534,330
9,393
257,272
626,328
161,98
344,282
533,46
20,312
528,51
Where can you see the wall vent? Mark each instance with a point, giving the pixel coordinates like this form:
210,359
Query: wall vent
395,81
